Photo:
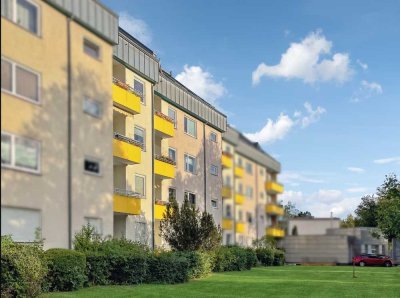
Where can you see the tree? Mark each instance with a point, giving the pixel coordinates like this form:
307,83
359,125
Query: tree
348,222
367,212
304,214
184,228
388,209
291,211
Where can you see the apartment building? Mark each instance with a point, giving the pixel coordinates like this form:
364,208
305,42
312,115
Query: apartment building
56,112
250,190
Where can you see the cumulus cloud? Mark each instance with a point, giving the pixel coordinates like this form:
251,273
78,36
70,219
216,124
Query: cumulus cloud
366,90
305,60
294,178
278,129
357,189
356,170
362,65
135,27
202,83
322,202
389,160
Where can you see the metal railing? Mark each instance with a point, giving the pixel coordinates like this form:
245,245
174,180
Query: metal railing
128,193
165,159
121,137
127,87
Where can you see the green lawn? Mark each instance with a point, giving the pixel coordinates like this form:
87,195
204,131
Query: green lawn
288,281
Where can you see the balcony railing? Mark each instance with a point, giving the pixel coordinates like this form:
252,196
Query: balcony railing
126,87
239,171
227,223
125,97
274,209
164,167
127,202
227,160
273,187
121,137
239,198
164,125
127,150
165,159
128,193
275,232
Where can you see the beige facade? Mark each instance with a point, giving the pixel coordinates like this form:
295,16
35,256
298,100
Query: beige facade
36,163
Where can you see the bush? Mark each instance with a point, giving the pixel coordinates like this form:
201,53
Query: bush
279,257
127,268
265,256
233,258
98,269
168,268
251,258
22,268
66,269
199,263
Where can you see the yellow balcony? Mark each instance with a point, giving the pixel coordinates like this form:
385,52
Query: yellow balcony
273,187
239,198
227,224
275,232
163,125
125,99
226,192
127,152
239,172
159,211
226,160
166,170
240,227
127,204
273,209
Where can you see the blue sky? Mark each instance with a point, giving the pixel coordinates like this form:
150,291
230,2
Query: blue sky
316,83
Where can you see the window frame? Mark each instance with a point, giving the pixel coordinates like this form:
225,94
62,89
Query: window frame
176,120
12,164
87,98
216,137
92,159
13,91
143,98
194,165
14,15
185,126
169,188
144,184
216,203
249,168
144,136
213,166
88,41
188,192
176,155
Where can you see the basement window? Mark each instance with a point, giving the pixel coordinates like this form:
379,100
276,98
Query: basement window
91,48
92,166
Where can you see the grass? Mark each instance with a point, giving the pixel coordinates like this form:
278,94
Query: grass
288,281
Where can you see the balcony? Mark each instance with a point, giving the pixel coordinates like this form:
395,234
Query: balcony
126,150
226,160
125,97
273,187
164,125
226,192
240,227
164,167
239,198
274,209
159,209
227,223
239,172
127,202
275,232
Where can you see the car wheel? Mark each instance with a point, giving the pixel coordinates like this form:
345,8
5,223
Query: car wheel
388,264
362,264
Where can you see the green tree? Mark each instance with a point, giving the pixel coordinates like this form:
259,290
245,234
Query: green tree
304,214
349,222
291,211
367,212
184,228
388,209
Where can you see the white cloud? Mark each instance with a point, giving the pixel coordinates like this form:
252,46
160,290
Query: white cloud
362,65
292,177
277,130
395,160
305,61
135,27
202,83
366,90
357,189
355,170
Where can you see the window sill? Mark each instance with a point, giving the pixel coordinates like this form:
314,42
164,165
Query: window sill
93,174
38,103
20,169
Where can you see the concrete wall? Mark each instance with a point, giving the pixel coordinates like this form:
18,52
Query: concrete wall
312,226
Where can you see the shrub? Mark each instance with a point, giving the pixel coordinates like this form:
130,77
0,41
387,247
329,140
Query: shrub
233,258
66,269
199,263
222,259
127,268
168,268
22,268
251,258
265,256
98,269
279,257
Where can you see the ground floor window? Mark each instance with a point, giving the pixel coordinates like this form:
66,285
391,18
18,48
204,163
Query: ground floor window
96,223
24,225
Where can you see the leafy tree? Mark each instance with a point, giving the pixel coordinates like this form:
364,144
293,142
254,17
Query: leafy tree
304,214
265,242
388,208
349,222
291,211
367,212
184,228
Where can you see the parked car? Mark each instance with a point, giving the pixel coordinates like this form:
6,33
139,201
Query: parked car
373,260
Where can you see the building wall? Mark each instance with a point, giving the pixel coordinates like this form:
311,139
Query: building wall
312,226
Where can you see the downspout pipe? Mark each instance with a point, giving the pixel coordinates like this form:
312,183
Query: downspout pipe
205,167
153,244
69,132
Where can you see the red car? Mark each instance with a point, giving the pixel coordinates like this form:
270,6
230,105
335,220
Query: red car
373,260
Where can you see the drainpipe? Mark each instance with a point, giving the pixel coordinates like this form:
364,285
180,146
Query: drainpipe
205,167
69,132
233,200
257,193
152,170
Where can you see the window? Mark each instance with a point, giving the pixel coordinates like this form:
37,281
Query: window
22,224
213,137
190,164
92,107
91,48
249,217
138,86
240,162
172,154
240,188
261,172
190,127
25,13
172,115
92,166
249,168
227,181
228,239
214,170
191,197
171,193
20,153
214,204
140,185
96,223
19,80
240,215
139,135
228,211
249,192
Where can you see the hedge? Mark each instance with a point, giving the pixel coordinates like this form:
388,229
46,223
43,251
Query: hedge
200,264
167,268
234,258
66,269
270,256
